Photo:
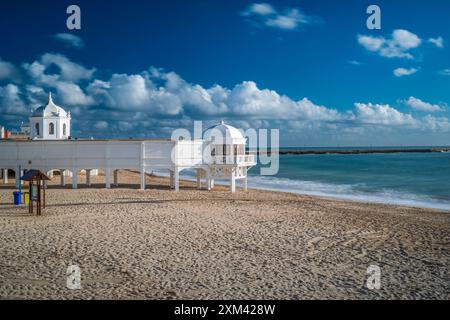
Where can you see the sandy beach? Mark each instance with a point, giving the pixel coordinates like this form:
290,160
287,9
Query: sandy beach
198,244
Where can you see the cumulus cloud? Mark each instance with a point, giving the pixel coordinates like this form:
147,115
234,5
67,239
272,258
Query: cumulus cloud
69,39
154,102
438,42
420,105
266,15
382,115
56,71
401,72
8,71
398,45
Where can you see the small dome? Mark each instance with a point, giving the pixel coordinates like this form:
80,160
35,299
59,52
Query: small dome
224,134
50,110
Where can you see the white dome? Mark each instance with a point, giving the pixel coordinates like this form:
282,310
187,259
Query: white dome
224,134
50,110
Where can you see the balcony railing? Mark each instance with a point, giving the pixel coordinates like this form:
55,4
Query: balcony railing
237,159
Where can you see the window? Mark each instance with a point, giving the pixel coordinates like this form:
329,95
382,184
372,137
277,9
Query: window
64,130
51,128
37,128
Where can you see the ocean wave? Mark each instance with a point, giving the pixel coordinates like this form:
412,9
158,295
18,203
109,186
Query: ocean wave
354,192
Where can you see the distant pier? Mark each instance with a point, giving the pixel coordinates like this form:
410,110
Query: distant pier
354,151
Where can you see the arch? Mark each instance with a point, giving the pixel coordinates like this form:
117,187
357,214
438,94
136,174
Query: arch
51,128
64,129
36,126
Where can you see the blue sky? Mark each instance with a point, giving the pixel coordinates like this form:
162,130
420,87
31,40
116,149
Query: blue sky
309,68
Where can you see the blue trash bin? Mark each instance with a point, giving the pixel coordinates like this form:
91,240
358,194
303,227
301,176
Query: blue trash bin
17,198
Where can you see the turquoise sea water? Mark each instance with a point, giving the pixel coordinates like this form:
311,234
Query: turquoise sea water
416,179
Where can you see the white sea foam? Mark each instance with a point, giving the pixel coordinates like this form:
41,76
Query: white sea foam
346,191
355,192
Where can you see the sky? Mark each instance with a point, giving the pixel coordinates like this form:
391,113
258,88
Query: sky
311,69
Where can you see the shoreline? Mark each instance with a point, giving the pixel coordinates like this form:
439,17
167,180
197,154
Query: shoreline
323,196
409,203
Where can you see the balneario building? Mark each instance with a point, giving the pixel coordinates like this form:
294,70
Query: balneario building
220,154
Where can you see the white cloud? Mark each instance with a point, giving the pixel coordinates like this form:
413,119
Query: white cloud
420,105
354,62
11,102
101,125
445,72
400,72
265,14
438,42
382,115
261,9
154,102
435,124
8,71
70,40
397,46
67,70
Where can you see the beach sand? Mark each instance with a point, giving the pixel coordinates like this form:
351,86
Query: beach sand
198,244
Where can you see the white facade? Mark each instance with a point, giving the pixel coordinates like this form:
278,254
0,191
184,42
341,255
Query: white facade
2,132
140,155
50,122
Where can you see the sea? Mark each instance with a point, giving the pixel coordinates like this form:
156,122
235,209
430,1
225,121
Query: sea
411,179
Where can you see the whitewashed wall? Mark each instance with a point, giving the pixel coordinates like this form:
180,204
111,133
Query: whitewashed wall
90,154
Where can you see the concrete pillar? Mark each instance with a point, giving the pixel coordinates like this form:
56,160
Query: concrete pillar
142,178
212,183
232,182
63,177
107,178
245,179
5,176
208,182
177,180
88,177
116,177
17,176
172,179
74,178
199,180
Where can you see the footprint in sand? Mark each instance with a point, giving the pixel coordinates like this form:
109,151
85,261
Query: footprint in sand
312,244
362,254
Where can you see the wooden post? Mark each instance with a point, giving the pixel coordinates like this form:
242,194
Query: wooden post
30,202
38,209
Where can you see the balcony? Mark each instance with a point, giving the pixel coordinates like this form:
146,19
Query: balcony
248,159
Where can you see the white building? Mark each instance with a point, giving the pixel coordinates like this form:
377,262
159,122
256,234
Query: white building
50,122
2,132
220,154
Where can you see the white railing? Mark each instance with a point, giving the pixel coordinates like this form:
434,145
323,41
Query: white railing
237,159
